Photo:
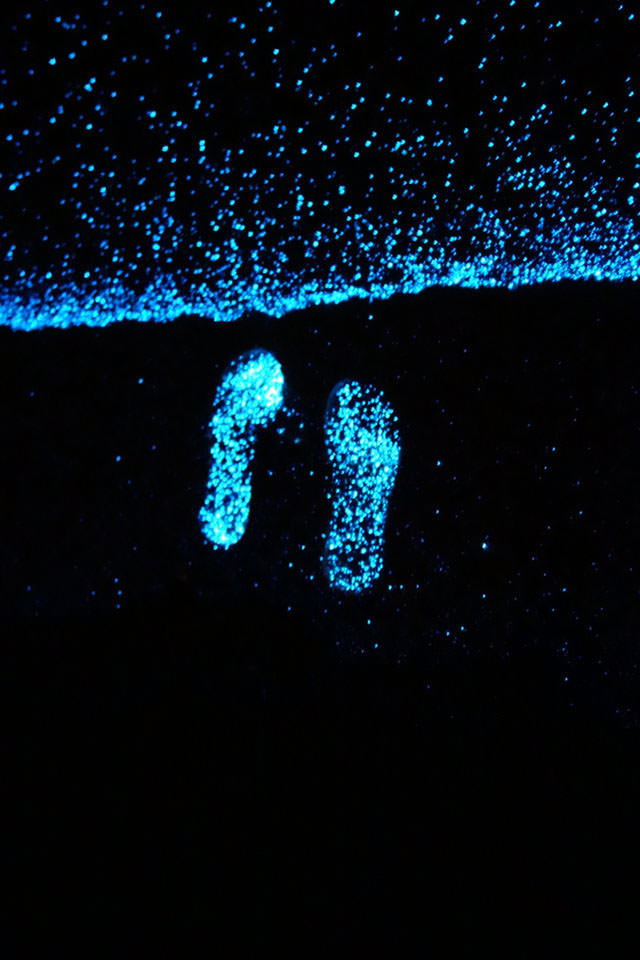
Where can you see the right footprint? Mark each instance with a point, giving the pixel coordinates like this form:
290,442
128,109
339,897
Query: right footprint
363,447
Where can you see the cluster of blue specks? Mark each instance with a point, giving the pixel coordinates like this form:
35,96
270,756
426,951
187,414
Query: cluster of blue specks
248,397
158,161
363,448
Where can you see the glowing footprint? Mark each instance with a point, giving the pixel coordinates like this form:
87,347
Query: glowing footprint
249,396
363,447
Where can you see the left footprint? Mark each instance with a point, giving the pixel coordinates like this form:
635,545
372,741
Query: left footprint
248,397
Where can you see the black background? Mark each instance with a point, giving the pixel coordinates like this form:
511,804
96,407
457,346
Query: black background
226,720
215,741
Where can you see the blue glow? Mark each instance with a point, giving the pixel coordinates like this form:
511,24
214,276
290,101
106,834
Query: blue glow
363,447
238,179
248,397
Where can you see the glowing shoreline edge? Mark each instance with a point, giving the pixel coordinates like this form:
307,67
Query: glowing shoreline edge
248,397
165,300
363,447
186,159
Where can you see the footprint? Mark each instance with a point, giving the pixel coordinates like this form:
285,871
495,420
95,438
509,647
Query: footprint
248,397
363,446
